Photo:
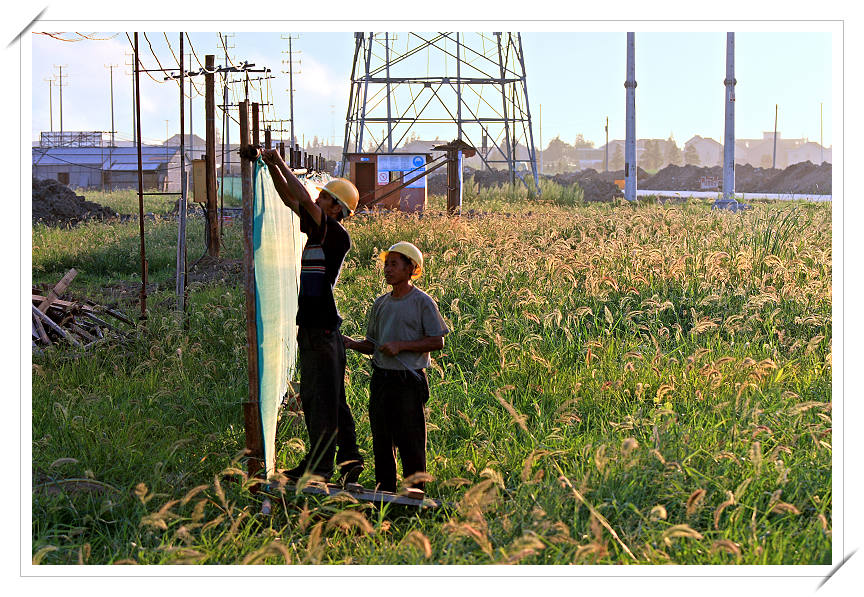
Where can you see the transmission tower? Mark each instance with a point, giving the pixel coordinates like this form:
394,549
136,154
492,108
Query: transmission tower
425,81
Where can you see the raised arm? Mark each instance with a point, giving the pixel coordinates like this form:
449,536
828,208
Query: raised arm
292,192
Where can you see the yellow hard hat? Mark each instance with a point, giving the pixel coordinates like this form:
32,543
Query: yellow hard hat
411,252
345,193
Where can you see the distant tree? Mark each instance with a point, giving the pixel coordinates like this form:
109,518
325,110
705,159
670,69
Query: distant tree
581,142
691,156
651,158
673,153
556,150
616,162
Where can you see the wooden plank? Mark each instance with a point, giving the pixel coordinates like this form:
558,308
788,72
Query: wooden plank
56,328
59,289
82,332
40,330
60,304
409,497
251,412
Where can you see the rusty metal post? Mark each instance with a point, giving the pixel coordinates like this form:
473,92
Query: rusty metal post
267,140
255,136
282,149
452,181
251,410
140,182
210,135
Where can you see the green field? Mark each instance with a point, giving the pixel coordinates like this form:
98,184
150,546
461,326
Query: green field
623,384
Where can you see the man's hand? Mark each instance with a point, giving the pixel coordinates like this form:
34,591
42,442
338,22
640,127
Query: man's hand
271,157
391,349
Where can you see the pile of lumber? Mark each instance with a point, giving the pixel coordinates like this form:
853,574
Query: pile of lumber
77,323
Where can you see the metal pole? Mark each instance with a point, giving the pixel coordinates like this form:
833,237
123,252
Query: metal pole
111,68
291,86
140,185
210,138
530,140
458,89
362,126
61,100
774,158
504,101
224,135
352,97
630,181
51,104
387,65
729,137
180,286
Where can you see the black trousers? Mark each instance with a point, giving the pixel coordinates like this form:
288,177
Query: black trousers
398,422
322,393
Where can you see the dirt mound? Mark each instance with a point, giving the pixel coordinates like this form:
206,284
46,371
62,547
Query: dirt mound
679,178
803,177
55,204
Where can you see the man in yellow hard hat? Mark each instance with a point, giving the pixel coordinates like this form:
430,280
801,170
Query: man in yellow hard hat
403,327
320,348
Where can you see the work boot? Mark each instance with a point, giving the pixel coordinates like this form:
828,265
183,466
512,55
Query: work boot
301,469
349,471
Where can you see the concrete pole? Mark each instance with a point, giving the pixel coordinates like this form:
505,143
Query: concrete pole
774,155
729,137
630,143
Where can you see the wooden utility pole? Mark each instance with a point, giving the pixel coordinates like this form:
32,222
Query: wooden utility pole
210,163
251,409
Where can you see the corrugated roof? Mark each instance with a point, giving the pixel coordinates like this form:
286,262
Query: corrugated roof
104,158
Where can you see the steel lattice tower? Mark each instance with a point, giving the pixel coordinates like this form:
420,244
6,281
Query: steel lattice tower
418,81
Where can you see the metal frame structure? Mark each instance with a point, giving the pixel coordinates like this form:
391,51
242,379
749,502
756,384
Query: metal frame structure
476,81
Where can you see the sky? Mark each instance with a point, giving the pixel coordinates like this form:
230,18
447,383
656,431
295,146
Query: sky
575,81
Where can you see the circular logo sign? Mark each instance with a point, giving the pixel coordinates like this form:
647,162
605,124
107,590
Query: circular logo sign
418,161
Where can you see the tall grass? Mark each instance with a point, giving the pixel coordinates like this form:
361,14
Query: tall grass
622,385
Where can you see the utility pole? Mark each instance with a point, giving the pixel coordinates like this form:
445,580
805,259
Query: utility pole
225,132
140,184
111,67
210,139
729,136
821,147
774,158
209,71
630,142
180,286
290,63
540,133
50,103
607,144
60,85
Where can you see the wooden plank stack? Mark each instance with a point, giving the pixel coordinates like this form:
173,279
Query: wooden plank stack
79,324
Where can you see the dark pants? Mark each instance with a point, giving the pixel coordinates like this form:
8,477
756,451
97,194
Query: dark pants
322,393
398,423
